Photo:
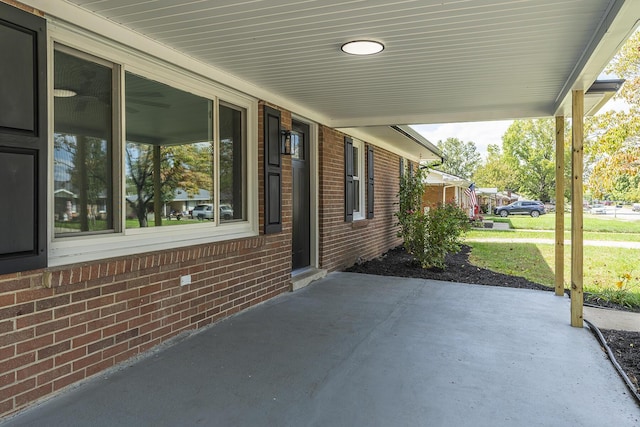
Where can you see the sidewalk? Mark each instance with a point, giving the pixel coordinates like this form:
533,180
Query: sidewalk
605,318
600,243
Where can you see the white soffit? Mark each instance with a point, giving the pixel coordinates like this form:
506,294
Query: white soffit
398,139
444,61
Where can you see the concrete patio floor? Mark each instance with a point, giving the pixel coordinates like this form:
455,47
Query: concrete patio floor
360,350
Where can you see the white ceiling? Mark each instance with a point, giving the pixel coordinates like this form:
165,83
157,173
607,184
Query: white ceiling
445,61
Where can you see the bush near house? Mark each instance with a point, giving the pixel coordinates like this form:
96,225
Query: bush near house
428,235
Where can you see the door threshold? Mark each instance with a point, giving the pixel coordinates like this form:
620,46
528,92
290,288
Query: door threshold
304,276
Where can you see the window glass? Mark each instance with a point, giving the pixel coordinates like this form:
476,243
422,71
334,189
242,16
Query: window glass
82,145
168,154
232,164
357,174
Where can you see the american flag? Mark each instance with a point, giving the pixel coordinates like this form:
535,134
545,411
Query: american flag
471,195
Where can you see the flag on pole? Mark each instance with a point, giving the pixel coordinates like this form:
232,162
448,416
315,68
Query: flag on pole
473,200
471,195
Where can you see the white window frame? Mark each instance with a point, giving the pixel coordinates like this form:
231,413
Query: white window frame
358,176
72,249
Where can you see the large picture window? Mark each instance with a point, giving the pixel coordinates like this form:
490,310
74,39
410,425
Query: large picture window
134,153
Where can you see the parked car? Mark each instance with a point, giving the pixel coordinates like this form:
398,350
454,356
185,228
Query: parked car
635,207
226,212
204,211
598,209
522,207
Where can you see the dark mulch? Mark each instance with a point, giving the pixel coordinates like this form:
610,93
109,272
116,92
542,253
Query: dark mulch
625,346
397,262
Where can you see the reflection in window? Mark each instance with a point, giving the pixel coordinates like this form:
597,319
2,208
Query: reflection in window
82,146
168,153
232,167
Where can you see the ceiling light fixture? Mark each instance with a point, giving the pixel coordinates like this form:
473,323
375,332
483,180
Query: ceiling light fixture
64,93
362,47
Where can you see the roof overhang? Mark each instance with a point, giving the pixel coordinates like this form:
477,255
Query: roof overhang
436,177
443,61
398,139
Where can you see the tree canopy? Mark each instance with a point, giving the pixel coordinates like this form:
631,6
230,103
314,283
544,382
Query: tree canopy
494,172
612,145
460,158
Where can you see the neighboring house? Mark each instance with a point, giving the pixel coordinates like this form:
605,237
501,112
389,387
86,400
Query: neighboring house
441,187
181,202
303,142
491,198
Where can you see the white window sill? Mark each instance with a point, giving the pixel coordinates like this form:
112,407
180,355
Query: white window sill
70,250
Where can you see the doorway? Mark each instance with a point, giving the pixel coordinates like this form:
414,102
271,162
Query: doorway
300,164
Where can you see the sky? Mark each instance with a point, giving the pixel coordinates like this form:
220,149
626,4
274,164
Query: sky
483,133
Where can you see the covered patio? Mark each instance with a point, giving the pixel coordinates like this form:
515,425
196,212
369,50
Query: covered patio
348,350
360,350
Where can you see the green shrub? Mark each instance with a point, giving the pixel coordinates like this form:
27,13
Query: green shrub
429,236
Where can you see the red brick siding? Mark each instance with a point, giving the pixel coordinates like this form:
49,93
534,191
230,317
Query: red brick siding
341,243
61,325
24,7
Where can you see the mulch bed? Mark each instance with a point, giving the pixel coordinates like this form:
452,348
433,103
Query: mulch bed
397,262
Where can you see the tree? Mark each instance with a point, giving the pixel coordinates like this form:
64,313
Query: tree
494,172
186,166
460,158
529,147
612,145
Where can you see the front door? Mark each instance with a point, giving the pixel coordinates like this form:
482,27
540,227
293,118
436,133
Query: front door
301,245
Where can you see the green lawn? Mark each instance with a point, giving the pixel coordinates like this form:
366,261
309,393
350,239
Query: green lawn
604,268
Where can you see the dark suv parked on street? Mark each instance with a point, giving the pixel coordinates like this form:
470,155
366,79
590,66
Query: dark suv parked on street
523,207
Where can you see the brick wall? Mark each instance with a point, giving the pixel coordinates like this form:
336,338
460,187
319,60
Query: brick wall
62,325
341,243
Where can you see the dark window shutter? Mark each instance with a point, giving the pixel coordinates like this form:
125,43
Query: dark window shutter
370,193
401,167
348,179
23,140
272,172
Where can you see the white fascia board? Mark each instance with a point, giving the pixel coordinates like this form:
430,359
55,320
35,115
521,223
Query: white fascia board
490,113
75,15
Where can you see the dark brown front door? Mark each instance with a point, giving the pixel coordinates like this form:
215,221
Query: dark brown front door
301,246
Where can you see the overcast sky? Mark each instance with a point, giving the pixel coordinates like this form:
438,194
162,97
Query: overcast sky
482,133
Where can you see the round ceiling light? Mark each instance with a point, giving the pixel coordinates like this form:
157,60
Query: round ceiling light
63,93
362,47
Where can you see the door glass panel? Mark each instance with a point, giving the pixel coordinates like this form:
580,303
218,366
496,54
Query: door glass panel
82,147
297,146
